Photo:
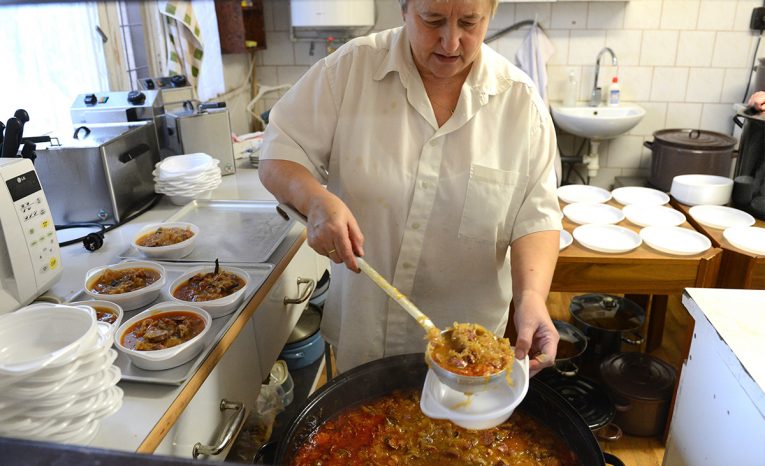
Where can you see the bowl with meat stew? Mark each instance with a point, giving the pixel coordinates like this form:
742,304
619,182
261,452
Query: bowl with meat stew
106,311
171,240
130,284
164,336
217,293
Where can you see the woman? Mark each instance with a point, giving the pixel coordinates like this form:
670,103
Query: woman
438,156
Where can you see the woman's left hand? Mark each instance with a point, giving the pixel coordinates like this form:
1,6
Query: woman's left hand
537,335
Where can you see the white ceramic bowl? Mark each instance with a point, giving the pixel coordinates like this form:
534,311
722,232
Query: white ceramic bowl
98,305
701,189
172,251
185,165
33,340
168,357
216,307
132,299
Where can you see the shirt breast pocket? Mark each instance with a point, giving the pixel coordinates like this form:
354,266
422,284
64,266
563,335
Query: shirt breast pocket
492,201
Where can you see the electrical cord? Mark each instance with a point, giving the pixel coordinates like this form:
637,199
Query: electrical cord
94,240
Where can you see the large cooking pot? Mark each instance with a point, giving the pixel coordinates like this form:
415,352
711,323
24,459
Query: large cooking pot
383,376
749,175
686,151
607,321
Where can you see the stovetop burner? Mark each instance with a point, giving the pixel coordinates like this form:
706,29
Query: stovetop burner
588,397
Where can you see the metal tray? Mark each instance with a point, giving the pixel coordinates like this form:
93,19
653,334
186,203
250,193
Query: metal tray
236,232
177,375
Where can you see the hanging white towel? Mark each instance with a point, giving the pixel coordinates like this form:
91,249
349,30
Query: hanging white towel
533,55
211,83
183,38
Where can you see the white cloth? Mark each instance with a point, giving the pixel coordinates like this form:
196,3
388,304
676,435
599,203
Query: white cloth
533,55
438,206
211,82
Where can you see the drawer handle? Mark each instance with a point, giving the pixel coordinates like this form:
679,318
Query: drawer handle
227,433
308,291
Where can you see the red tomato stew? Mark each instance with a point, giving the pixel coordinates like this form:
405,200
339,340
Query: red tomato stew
209,286
104,314
123,280
162,331
470,349
393,430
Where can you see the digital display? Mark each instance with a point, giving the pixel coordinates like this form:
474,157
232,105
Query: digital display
23,185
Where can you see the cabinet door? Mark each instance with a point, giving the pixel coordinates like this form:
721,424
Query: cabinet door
236,378
274,319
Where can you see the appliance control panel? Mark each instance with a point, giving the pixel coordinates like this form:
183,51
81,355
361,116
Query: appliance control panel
30,234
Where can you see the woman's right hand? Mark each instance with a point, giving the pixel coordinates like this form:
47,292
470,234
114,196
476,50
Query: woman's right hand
757,101
333,230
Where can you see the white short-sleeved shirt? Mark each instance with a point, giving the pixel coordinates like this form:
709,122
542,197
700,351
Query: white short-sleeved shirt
438,207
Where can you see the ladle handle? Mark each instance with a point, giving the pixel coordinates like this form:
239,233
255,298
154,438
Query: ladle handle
289,212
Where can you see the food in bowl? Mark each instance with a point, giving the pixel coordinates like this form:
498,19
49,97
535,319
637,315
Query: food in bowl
165,236
105,314
162,331
124,280
471,350
209,286
393,430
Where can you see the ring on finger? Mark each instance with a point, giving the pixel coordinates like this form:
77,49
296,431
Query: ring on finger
331,251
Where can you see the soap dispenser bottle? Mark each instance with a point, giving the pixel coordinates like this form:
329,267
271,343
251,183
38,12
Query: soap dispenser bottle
569,99
614,93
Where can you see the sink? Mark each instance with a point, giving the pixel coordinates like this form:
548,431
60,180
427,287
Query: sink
597,122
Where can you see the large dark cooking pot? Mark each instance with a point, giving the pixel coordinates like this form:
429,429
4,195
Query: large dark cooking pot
607,321
383,376
749,176
688,151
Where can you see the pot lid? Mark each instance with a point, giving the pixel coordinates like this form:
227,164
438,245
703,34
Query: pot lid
572,341
638,375
697,139
607,312
589,398
308,324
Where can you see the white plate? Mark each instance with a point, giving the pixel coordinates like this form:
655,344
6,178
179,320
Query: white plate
585,213
565,239
750,239
653,215
720,217
638,195
607,238
675,240
582,193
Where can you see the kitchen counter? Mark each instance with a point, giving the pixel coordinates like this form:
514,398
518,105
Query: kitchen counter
149,411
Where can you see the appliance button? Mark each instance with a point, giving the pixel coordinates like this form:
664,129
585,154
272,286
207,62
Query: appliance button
53,263
136,97
44,268
44,224
90,99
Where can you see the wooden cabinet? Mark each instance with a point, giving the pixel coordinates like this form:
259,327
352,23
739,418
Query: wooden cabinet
241,25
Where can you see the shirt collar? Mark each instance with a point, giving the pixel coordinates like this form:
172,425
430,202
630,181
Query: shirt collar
399,57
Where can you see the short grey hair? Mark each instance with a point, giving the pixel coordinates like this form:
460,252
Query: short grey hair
493,3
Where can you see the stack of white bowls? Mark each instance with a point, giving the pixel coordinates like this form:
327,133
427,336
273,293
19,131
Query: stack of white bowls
184,178
57,378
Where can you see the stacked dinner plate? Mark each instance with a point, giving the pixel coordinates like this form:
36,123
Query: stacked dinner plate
187,177
57,378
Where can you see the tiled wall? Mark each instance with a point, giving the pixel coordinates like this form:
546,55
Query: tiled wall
685,61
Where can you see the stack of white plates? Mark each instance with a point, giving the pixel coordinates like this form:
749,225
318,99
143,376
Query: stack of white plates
187,177
57,378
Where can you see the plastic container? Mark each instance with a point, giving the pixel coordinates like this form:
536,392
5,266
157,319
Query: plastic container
304,352
572,88
172,251
216,307
614,92
132,299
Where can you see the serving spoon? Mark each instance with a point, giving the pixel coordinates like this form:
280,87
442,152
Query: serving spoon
461,383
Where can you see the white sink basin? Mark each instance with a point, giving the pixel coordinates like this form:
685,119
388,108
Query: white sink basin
597,122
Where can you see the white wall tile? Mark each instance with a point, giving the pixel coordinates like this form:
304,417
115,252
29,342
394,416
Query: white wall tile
388,14
508,45
606,15
655,119
744,13
626,44
716,15
732,50
624,152
695,48
605,177
267,75
542,12
635,83
683,115
717,117
268,15
679,14
279,51
303,52
734,85
585,45
659,48
669,84
559,38
705,85
281,12
643,14
569,15
290,74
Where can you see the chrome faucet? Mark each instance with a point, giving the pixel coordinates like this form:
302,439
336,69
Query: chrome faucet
596,96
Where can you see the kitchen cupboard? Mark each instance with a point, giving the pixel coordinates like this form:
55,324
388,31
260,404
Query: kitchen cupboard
241,26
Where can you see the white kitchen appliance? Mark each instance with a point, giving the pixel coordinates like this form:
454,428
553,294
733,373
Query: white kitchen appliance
320,18
206,129
30,259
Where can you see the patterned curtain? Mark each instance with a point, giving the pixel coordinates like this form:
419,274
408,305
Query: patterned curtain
183,38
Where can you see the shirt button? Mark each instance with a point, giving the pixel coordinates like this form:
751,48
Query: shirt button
408,265
434,143
416,226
